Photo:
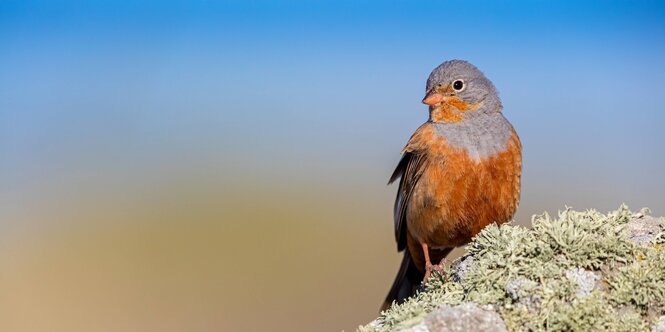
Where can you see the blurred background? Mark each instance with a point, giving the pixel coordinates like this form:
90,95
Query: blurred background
222,166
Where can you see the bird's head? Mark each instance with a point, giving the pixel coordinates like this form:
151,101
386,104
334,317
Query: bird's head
457,90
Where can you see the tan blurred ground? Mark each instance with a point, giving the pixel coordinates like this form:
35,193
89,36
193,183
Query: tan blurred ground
198,254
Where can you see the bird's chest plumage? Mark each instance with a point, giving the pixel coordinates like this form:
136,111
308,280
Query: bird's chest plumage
471,180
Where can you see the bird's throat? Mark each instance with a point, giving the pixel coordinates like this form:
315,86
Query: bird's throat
451,110
445,113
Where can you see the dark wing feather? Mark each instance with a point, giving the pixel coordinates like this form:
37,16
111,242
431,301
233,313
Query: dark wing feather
409,168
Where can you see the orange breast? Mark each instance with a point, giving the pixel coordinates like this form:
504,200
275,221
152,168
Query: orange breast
457,196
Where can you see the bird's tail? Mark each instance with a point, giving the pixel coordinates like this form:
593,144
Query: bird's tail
406,283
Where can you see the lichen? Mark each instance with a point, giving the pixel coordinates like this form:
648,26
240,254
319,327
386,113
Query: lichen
537,278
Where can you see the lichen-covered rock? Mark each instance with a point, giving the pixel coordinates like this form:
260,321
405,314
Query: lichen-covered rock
580,271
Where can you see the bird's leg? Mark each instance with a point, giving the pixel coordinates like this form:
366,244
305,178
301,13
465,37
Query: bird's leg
428,263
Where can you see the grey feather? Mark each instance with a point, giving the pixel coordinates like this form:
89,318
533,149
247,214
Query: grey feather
482,136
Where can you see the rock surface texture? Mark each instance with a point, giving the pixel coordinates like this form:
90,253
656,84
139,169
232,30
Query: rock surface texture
580,271
464,317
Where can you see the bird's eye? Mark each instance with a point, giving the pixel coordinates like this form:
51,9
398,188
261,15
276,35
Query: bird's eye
458,85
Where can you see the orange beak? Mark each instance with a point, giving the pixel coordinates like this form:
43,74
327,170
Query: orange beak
433,97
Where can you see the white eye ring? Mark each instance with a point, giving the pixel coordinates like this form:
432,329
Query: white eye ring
456,83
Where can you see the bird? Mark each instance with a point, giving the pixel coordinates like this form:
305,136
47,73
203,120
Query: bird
459,172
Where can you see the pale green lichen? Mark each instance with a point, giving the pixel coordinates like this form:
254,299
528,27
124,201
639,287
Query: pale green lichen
522,273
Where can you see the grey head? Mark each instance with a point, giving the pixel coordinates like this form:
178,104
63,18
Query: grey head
459,78
465,109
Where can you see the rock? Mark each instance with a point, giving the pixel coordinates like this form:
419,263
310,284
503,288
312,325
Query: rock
520,288
586,281
659,325
462,266
416,328
644,229
464,317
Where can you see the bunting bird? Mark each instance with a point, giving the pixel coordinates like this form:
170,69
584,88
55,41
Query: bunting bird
460,171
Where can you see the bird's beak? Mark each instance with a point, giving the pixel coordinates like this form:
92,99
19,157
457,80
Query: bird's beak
433,97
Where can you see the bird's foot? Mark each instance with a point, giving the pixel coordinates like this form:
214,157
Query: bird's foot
438,268
441,268
428,271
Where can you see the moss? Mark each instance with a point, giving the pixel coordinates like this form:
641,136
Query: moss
531,276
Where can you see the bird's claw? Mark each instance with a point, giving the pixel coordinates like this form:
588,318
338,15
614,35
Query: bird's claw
438,268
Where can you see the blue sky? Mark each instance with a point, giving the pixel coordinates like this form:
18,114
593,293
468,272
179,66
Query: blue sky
125,84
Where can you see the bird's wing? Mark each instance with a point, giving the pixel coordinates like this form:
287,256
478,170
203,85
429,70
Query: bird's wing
409,169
